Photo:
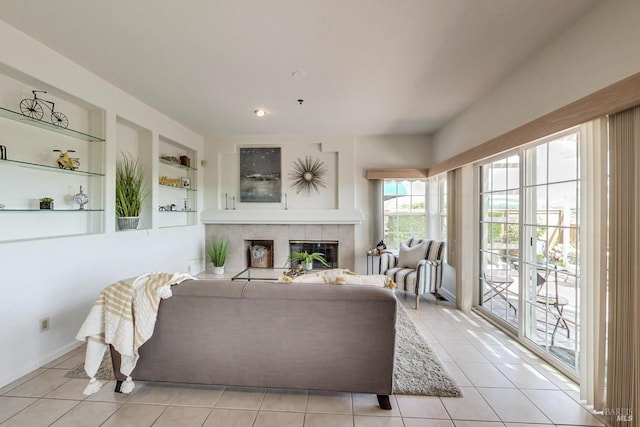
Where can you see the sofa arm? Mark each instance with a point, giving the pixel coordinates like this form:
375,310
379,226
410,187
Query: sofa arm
387,261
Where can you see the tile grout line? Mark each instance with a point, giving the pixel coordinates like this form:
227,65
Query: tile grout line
29,405
483,397
423,323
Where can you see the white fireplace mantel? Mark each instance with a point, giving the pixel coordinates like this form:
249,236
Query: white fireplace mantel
282,216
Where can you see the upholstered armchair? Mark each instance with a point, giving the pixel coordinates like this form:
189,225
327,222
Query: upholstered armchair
417,268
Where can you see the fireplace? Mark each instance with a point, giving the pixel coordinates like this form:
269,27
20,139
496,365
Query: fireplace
242,235
328,248
259,253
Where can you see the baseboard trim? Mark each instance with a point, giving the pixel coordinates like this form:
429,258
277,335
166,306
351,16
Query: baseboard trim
448,295
24,370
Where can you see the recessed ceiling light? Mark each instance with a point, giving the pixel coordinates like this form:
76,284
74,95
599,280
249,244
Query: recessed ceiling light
260,113
298,74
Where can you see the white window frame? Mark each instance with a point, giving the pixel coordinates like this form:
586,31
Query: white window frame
396,214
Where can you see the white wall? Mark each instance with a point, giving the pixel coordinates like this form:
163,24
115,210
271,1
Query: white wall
346,157
387,151
222,170
598,51
60,278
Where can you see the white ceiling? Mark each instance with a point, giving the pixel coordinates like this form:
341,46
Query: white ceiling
372,66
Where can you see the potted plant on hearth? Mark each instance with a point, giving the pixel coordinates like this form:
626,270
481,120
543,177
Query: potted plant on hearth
306,259
130,192
46,203
218,249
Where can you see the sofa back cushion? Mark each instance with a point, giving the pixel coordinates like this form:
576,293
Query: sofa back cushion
274,335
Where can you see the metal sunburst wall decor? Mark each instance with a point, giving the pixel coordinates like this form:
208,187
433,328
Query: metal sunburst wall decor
307,174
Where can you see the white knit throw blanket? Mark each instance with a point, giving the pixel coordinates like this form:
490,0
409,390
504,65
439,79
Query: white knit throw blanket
124,315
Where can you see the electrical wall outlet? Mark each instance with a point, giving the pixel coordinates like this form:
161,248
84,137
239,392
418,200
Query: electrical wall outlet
44,324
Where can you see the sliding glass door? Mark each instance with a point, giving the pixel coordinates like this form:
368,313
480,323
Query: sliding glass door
529,276
550,261
500,238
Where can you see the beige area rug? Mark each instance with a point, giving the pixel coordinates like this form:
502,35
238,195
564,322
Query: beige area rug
417,370
105,371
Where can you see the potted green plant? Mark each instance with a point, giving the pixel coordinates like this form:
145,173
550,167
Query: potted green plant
306,259
130,192
46,203
218,249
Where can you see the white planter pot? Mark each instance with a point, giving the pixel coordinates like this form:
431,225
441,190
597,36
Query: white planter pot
308,265
218,270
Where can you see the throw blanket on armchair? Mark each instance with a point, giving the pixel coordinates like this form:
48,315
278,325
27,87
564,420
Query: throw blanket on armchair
124,315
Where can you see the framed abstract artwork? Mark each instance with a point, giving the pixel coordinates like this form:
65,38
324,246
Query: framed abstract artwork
260,171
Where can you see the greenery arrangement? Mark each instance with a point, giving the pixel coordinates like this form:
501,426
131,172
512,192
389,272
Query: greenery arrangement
218,250
46,203
130,191
307,258
404,226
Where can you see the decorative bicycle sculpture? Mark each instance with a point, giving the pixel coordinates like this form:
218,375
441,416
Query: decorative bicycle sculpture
34,108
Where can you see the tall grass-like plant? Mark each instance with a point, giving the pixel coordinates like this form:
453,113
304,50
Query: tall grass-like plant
129,186
218,250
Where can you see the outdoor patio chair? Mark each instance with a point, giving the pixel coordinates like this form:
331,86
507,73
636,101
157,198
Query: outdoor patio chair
553,300
546,299
498,285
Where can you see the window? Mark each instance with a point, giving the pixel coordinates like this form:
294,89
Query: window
405,213
415,209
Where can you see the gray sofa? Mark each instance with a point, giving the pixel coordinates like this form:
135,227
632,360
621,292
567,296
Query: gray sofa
275,335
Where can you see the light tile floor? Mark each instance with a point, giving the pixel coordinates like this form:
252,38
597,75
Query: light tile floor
503,384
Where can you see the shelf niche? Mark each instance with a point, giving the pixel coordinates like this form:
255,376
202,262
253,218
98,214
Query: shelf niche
172,168
137,141
33,173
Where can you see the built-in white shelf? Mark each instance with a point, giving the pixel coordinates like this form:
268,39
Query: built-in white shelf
176,165
13,115
51,210
173,187
39,166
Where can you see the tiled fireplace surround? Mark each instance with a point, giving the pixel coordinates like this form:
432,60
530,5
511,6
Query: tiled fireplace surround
281,234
